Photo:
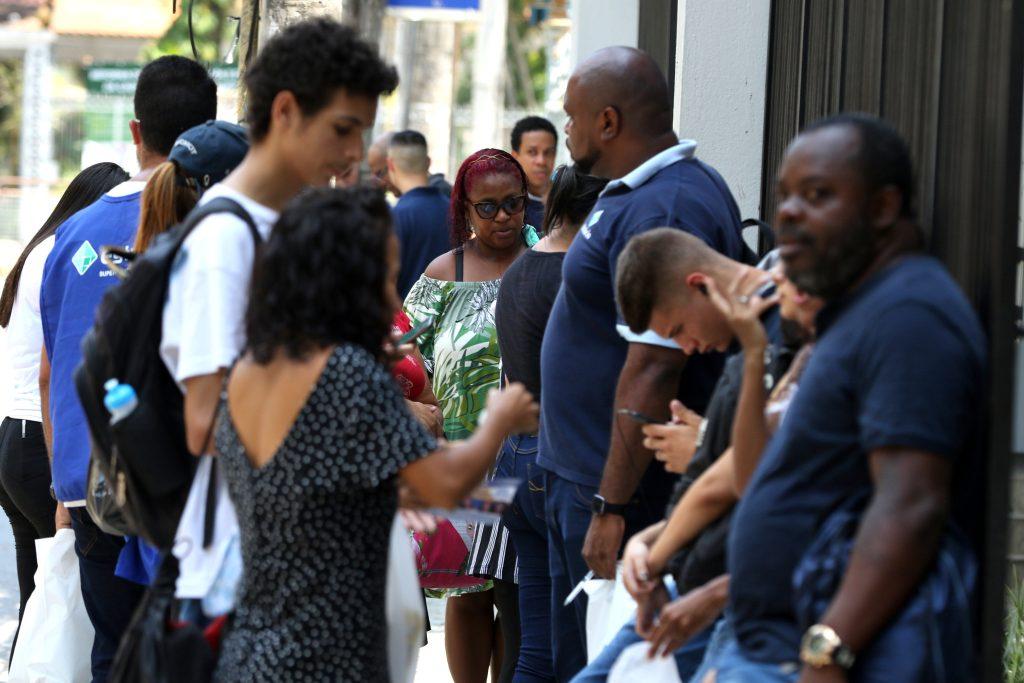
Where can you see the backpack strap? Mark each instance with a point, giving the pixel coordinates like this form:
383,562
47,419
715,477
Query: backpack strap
220,205
459,262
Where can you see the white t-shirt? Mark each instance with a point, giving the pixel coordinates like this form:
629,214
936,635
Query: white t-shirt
25,338
203,332
204,316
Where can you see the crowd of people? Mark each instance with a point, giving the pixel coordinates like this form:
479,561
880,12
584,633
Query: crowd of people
775,454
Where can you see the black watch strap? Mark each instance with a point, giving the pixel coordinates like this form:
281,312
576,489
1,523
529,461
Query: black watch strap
599,506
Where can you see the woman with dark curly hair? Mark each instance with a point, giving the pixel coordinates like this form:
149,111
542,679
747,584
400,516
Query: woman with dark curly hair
313,435
458,291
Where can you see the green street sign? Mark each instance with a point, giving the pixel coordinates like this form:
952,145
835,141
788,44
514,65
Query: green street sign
120,79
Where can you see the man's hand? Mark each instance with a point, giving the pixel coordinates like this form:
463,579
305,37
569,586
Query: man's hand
601,546
827,674
648,607
62,518
427,415
682,619
674,444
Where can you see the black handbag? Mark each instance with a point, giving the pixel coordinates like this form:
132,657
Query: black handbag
157,647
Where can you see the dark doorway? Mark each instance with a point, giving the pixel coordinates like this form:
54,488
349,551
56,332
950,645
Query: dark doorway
948,74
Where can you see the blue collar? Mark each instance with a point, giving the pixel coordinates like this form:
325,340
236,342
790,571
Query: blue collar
645,171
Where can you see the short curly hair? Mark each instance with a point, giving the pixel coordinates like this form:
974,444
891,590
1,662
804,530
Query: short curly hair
313,59
321,277
477,165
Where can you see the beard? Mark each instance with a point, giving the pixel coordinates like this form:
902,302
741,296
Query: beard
586,164
837,261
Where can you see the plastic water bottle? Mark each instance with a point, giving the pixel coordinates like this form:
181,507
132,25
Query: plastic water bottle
120,400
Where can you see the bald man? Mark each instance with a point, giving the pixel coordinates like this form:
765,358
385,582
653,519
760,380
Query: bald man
377,161
421,213
599,483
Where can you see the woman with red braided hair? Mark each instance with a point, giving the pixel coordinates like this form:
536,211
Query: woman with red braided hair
460,352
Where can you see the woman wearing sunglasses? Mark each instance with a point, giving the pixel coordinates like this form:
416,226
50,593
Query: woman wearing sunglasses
461,355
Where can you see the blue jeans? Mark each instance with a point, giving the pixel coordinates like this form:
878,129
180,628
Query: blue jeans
732,666
525,522
567,508
688,657
109,600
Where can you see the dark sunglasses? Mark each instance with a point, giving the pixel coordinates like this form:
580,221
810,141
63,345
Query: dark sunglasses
511,206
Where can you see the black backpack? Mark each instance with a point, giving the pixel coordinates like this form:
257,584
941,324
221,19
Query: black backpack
143,457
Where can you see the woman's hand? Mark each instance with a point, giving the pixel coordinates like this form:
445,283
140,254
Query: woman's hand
513,409
427,415
742,308
675,443
395,353
416,521
636,572
682,619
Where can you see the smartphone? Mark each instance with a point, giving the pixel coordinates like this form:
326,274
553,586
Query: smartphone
766,290
415,332
639,417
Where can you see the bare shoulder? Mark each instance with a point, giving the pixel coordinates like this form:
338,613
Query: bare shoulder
442,268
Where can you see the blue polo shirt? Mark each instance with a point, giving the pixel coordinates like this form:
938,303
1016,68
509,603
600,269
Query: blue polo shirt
74,281
421,224
534,212
899,363
584,346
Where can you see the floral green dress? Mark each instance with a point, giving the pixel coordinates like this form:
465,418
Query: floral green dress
461,356
460,351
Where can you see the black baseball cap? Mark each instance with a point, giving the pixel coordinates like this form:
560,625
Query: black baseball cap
207,153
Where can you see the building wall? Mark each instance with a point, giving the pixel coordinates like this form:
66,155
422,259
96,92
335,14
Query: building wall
601,23
721,67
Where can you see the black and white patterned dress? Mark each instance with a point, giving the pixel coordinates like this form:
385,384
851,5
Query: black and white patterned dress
315,523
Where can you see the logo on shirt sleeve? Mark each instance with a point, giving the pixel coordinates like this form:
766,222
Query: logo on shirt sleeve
594,218
84,257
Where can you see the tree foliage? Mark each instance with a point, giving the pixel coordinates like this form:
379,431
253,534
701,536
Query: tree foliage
213,30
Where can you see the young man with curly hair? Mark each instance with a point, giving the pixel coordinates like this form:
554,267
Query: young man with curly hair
312,93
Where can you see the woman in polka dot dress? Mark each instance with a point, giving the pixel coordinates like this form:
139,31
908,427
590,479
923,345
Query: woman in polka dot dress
314,435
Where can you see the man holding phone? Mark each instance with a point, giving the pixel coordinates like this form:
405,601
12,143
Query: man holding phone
620,126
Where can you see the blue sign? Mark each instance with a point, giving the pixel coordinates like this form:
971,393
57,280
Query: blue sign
436,4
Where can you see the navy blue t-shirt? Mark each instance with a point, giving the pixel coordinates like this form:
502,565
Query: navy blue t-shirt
421,225
534,213
901,363
74,281
583,351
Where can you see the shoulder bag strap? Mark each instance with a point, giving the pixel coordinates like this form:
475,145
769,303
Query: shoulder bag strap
459,254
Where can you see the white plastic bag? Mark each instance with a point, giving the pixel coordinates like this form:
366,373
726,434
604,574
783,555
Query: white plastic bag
633,666
609,607
403,606
199,568
55,642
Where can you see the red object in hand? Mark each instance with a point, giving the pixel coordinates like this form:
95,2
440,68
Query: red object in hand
411,376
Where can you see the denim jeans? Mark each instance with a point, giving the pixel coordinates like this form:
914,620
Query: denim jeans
109,599
25,498
688,657
526,526
567,508
732,666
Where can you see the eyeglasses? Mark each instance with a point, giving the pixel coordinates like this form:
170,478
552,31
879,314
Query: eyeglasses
511,206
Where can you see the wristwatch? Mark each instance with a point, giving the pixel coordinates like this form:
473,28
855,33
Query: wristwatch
822,647
599,506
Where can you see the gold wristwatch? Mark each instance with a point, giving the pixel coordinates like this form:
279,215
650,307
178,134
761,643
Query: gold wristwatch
822,647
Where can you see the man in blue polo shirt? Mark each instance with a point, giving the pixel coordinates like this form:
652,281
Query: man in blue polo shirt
172,95
884,429
620,126
421,213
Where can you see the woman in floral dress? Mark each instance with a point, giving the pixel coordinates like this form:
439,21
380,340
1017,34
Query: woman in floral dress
460,352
